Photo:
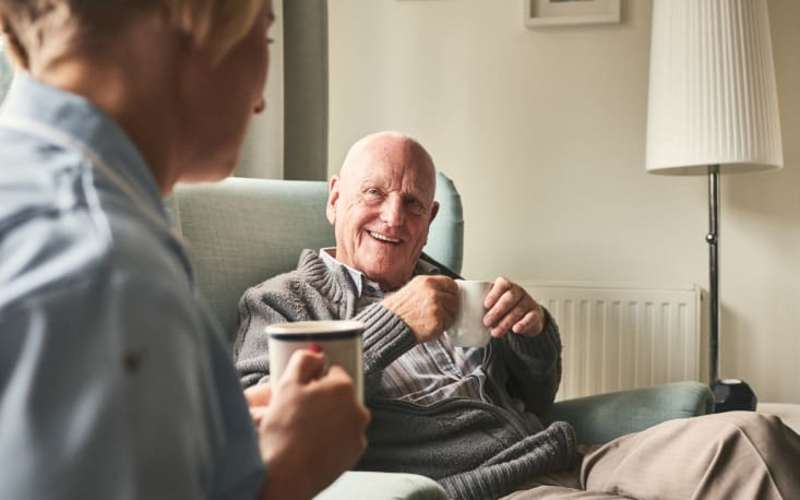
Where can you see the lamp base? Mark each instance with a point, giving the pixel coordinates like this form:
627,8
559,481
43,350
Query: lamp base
733,395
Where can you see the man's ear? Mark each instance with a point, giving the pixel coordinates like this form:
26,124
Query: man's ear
434,211
333,198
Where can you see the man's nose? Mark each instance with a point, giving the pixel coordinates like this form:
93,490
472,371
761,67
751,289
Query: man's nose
392,213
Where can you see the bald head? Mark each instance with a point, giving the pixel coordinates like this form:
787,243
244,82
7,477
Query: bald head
382,204
390,148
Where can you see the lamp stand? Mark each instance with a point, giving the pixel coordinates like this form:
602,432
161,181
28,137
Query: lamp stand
729,394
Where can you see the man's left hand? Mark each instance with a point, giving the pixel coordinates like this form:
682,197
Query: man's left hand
510,308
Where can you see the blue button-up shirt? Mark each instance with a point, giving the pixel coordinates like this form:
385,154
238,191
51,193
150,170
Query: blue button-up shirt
115,382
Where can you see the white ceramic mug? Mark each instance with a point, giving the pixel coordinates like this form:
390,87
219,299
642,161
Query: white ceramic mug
467,329
340,340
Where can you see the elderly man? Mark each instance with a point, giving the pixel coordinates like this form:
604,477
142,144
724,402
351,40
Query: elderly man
474,419
115,382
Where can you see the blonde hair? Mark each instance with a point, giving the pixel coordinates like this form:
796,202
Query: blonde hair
217,25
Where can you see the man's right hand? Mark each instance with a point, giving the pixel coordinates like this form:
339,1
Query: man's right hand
427,304
312,430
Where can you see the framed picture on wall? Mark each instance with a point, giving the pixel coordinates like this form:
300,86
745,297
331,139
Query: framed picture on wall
552,13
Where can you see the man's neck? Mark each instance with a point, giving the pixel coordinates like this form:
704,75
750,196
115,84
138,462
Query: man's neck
421,268
328,255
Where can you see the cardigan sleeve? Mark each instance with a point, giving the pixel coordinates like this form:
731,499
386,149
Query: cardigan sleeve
251,348
386,336
534,366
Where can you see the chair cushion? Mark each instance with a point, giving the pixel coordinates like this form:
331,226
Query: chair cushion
242,231
600,418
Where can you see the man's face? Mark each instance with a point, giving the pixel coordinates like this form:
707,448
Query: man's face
381,206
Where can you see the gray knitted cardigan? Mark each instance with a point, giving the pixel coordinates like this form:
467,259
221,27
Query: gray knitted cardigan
474,448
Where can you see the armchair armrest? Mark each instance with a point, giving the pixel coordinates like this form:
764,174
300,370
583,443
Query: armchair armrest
383,486
601,418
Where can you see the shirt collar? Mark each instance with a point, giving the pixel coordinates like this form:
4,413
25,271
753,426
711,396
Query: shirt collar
328,256
63,115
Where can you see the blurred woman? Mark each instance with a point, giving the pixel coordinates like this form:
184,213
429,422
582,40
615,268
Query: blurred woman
114,382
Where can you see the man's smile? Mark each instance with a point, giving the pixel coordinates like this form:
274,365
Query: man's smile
383,238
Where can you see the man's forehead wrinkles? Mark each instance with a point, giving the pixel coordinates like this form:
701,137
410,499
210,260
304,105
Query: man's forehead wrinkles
413,185
391,167
405,181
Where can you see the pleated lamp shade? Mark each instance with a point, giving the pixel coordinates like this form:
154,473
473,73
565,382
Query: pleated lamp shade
713,99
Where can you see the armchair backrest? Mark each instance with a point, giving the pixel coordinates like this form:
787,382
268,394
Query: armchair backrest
243,231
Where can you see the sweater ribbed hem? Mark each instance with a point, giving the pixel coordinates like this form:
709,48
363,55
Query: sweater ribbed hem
551,450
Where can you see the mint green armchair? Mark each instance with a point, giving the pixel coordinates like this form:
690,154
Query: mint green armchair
242,231
601,418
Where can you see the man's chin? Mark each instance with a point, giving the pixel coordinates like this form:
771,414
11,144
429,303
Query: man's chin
390,269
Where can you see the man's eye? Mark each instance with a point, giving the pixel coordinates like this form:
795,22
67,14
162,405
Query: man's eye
373,195
415,207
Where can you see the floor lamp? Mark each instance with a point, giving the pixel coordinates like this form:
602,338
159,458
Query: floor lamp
713,108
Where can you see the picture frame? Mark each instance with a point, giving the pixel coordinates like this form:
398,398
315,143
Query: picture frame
555,13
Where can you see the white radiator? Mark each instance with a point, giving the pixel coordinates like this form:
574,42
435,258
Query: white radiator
623,338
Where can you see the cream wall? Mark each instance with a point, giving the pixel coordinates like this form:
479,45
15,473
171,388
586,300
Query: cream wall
544,134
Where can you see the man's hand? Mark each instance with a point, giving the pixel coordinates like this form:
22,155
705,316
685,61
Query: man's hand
312,430
427,304
509,307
